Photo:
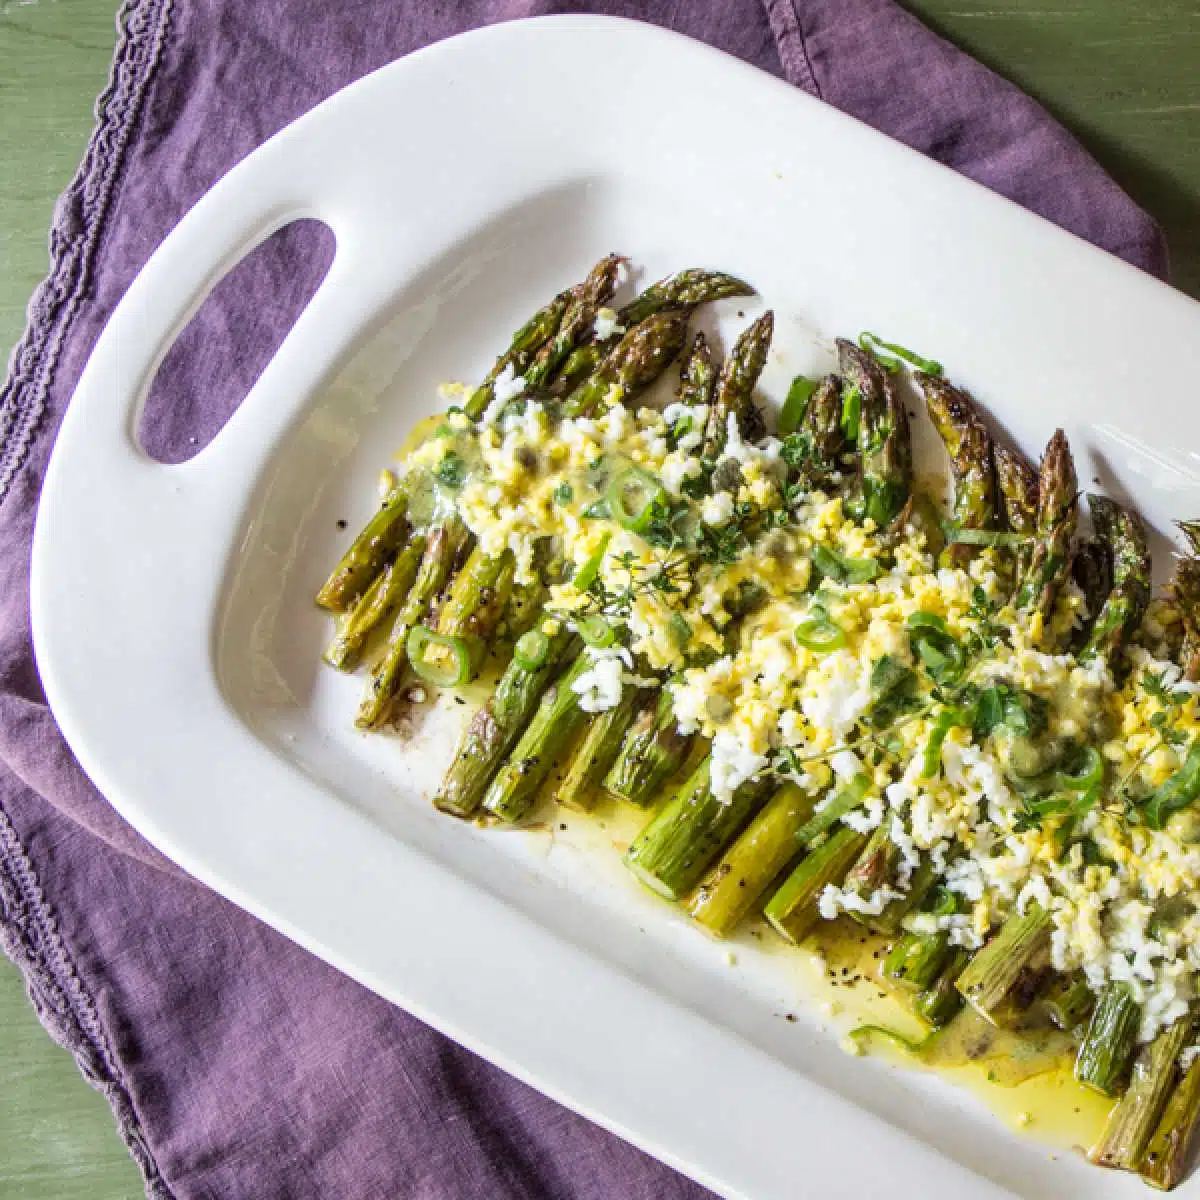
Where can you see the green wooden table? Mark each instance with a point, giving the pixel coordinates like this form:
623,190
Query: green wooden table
1122,75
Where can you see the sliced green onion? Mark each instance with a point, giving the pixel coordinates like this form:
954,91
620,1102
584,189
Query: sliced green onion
820,635
955,535
596,631
586,575
631,496
843,569
796,404
941,655
944,903
913,1046
531,649
596,511
847,800
453,663
894,357
947,720
1087,775
851,413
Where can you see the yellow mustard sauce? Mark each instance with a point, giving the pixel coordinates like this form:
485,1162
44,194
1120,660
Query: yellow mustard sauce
1024,1078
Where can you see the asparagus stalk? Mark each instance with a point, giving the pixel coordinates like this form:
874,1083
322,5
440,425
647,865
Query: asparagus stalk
476,601
680,843
917,960
514,790
793,909
526,342
1017,483
884,442
697,375
594,753
735,387
687,289
969,446
941,1002
1108,1045
653,750
1070,1002
380,601
1185,589
1132,1122
441,552
1005,976
898,907
578,320
1166,1157
378,541
1125,537
822,440
736,884
494,729
636,361
1050,559
1091,570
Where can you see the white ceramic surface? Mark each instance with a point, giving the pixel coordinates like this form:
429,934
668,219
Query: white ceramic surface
172,605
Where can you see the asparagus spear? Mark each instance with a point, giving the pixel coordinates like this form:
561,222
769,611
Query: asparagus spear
1005,976
1111,1037
884,443
879,866
1092,572
653,750
1056,519
637,360
898,907
1166,1157
697,375
496,726
1132,1122
594,754
822,441
1017,483
476,601
735,387
514,790
735,885
578,320
1125,536
441,552
917,960
1070,1002
793,909
680,842
876,865
526,342
969,446
1185,588
941,1002
378,541
687,289
388,591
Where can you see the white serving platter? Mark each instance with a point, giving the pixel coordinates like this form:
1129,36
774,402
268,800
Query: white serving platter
172,611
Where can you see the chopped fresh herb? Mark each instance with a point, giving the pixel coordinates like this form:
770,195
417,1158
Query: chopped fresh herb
894,357
452,471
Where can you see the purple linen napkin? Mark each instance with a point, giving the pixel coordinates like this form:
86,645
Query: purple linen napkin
238,1065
